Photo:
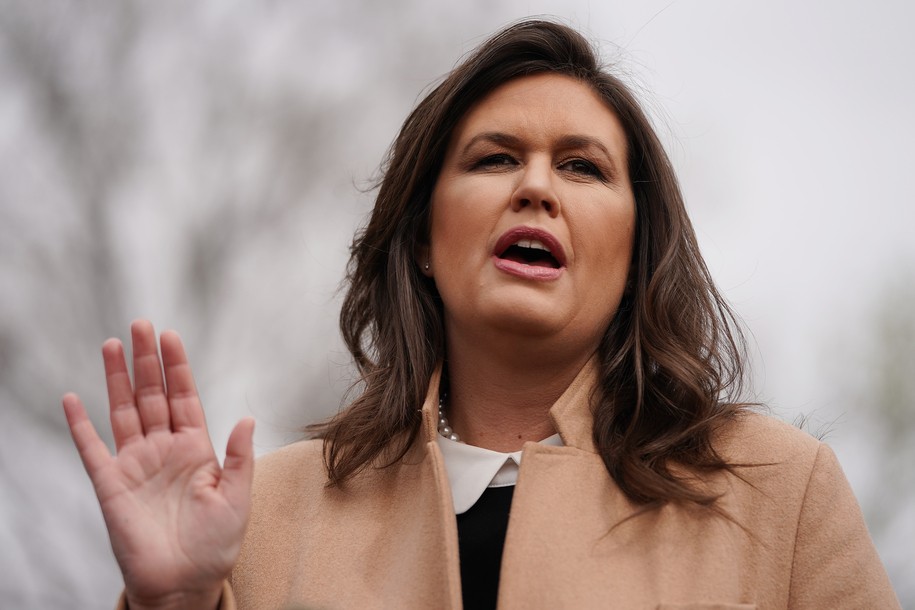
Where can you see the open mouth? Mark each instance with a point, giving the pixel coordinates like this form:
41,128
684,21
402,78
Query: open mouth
530,252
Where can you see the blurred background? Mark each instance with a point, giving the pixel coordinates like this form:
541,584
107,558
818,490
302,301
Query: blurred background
205,164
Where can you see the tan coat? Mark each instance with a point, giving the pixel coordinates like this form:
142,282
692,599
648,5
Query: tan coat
389,540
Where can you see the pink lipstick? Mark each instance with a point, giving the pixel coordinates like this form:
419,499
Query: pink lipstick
529,253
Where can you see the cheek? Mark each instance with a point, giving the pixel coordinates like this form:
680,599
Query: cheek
463,214
609,221
452,238
609,246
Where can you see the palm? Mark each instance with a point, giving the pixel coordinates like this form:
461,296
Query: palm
167,484
175,517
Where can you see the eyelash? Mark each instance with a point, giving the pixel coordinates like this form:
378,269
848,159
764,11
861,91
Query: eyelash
575,165
585,167
494,160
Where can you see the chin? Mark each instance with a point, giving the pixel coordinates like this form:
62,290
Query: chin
527,326
528,318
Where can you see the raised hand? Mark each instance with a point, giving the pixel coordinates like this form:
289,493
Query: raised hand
175,517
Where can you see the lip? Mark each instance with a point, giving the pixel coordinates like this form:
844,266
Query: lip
530,272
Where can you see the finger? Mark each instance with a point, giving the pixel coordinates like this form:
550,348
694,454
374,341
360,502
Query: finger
148,384
92,451
238,468
186,410
125,419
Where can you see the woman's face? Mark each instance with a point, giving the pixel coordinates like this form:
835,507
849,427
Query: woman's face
533,215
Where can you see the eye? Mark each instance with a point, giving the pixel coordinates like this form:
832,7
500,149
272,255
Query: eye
495,161
582,167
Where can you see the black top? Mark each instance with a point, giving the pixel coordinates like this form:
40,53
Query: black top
481,536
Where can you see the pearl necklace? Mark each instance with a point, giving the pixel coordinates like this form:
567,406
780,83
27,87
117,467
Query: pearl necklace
444,428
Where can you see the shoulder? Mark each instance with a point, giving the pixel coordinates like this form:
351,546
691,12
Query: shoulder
291,456
756,438
772,463
291,473
789,488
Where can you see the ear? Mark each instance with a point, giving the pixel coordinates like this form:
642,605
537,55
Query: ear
421,256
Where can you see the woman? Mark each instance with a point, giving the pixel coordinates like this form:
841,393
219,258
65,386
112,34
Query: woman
529,284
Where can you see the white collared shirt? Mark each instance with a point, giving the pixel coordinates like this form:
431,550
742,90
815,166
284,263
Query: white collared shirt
472,469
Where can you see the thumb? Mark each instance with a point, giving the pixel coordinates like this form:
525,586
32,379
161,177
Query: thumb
238,468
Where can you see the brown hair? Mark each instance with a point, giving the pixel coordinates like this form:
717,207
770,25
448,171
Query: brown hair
668,359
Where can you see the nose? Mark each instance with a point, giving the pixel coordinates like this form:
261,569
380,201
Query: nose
535,188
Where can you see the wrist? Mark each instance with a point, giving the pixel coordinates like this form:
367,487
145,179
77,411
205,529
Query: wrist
180,600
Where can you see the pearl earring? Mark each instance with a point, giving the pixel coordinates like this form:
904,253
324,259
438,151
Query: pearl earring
426,266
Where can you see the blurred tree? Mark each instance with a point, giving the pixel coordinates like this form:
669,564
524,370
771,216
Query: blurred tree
191,163
887,391
870,380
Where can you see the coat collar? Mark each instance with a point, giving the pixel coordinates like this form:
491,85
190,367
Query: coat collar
430,406
571,414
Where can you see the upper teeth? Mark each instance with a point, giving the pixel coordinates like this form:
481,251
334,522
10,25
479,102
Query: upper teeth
531,243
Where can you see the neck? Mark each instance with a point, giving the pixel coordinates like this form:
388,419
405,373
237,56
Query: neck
500,396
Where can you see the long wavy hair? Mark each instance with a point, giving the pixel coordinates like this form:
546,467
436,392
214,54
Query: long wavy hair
671,360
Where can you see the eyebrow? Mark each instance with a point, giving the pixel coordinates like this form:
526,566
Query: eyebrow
564,143
495,137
